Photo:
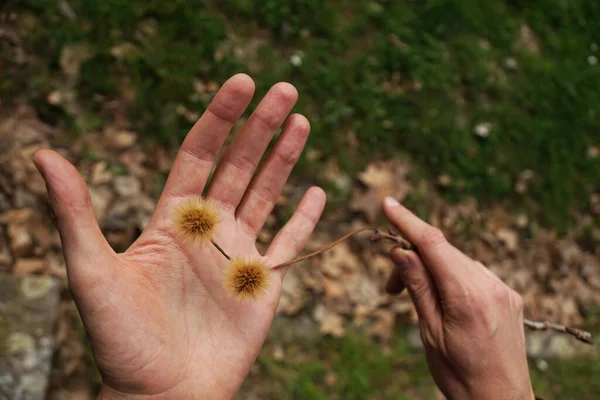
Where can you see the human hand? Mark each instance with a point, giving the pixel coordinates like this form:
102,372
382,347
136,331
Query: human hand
471,323
160,322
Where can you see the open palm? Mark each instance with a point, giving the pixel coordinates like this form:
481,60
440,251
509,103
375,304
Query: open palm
160,322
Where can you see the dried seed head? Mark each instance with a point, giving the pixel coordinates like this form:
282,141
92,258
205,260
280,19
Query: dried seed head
246,279
196,219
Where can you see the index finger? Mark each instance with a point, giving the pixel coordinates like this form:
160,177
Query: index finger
201,147
449,267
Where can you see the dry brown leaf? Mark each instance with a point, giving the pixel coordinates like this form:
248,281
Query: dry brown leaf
21,241
26,266
333,288
338,260
383,327
293,293
16,216
509,237
127,186
72,56
119,139
100,174
381,179
101,198
333,324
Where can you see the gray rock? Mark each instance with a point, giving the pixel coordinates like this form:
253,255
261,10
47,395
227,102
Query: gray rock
28,311
556,346
127,186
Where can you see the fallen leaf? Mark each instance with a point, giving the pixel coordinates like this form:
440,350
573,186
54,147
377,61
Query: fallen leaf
383,327
381,179
100,174
339,259
333,324
293,293
21,241
72,56
509,237
26,266
101,198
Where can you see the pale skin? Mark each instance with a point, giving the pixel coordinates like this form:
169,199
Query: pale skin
471,323
160,322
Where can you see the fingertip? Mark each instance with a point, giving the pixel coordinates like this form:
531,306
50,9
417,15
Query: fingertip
318,194
286,90
390,202
39,158
242,84
399,255
299,122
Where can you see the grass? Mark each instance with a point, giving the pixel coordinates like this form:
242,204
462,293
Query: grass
357,368
416,77
568,379
353,368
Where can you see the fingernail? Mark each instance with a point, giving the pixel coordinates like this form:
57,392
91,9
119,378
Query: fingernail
391,202
400,257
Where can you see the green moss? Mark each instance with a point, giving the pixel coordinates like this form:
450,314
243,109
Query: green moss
414,77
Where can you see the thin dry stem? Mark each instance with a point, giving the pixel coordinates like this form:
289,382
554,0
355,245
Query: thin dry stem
220,249
377,235
579,334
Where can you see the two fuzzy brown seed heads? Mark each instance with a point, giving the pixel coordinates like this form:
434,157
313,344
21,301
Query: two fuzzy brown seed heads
196,220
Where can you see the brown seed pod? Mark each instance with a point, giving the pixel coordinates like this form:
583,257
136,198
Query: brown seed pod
196,219
246,279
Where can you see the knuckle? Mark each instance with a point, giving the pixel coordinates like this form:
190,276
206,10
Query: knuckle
426,334
417,285
431,237
222,112
269,119
468,304
287,156
517,300
499,292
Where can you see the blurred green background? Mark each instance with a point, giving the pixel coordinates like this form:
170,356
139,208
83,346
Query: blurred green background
496,99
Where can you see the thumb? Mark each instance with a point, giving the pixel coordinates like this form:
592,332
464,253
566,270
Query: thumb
84,245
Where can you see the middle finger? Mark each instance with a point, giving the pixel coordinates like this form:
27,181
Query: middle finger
235,170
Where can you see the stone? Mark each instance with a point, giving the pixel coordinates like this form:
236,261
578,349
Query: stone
414,338
35,287
27,319
127,186
546,345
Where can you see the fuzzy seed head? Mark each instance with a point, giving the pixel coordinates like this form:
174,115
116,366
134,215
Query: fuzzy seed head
246,279
196,219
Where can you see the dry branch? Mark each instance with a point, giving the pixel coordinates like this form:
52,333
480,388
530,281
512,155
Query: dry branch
579,334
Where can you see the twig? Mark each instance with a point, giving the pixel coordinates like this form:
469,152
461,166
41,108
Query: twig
579,334
220,249
377,235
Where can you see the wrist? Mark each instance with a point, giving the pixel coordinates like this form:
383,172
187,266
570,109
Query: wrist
107,393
